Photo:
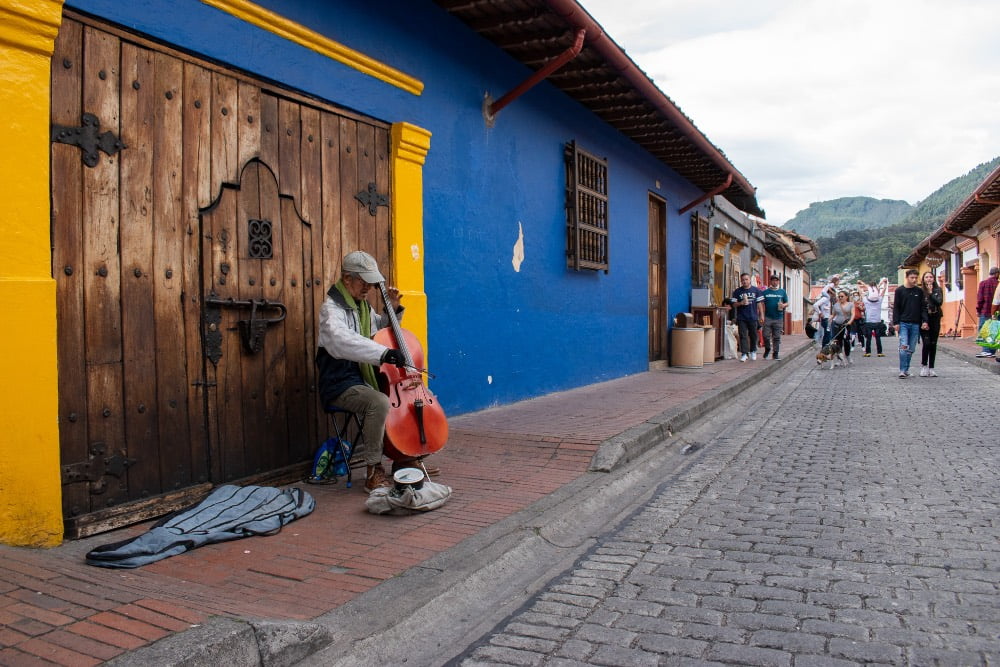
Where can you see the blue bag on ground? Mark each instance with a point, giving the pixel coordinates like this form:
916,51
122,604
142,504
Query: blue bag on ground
228,513
329,462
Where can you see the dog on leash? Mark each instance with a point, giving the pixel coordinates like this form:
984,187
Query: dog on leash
833,353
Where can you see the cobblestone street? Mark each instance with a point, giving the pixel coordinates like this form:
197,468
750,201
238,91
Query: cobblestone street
834,517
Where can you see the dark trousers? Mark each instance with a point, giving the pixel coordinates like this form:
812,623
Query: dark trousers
929,338
843,334
773,328
871,331
748,335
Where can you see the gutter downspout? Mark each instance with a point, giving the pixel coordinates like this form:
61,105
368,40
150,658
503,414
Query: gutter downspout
708,195
538,76
571,12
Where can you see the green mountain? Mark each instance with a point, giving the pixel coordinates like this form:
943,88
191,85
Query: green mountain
871,253
826,218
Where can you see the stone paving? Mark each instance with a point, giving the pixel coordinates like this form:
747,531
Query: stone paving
848,517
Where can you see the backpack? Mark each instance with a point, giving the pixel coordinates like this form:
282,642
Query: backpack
330,461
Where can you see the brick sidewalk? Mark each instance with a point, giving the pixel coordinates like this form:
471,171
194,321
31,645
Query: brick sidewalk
56,609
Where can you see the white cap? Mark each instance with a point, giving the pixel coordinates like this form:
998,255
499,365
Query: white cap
364,265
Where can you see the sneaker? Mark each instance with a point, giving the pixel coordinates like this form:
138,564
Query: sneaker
776,357
743,358
880,354
923,371
868,354
903,374
985,354
753,356
766,352
931,373
376,479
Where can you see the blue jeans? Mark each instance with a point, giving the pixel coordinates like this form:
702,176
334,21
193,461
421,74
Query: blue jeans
909,334
823,332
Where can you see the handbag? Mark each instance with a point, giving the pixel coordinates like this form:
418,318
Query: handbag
989,335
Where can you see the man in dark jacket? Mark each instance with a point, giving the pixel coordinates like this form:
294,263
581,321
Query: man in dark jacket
909,317
984,303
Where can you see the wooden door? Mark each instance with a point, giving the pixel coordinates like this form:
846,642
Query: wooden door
257,333
657,279
165,170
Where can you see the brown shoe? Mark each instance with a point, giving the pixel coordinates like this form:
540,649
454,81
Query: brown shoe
376,478
415,463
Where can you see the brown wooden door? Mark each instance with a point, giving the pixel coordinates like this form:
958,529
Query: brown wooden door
153,410
657,279
257,333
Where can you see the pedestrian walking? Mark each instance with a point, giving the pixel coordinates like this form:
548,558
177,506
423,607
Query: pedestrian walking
749,303
995,309
984,305
841,317
933,302
909,316
873,297
821,318
775,303
858,325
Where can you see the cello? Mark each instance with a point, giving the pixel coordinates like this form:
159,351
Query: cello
416,424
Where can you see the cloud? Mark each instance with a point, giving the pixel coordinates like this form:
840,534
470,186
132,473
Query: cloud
813,100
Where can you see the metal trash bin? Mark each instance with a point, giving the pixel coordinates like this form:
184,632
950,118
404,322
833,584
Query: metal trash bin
687,347
708,354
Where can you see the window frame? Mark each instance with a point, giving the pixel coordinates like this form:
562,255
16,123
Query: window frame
587,217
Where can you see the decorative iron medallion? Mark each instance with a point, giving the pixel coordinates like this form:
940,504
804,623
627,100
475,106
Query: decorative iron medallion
372,199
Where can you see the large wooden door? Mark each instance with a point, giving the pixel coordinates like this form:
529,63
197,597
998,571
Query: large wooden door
188,199
256,330
657,279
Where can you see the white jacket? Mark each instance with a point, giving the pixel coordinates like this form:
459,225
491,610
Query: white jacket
340,333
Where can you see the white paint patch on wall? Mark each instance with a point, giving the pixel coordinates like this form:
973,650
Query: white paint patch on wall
518,248
415,252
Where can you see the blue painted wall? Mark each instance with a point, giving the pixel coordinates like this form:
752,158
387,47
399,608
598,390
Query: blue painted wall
496,335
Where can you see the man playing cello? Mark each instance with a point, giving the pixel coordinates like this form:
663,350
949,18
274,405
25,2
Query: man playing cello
348,358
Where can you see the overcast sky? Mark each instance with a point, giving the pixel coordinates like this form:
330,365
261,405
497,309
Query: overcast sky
813,100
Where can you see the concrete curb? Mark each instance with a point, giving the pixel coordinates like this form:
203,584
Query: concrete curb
989,364
636,441
227,641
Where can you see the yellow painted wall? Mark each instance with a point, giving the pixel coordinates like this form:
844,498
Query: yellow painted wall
409,149
30,492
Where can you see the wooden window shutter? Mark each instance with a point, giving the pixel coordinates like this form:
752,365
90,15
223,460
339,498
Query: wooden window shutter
700,252
586,210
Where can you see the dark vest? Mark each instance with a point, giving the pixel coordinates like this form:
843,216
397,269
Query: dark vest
336,375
